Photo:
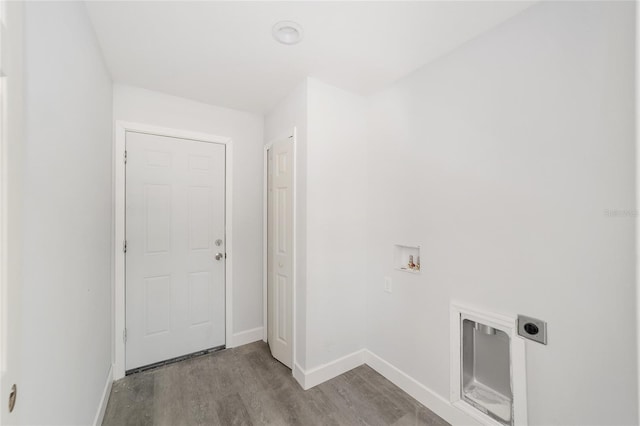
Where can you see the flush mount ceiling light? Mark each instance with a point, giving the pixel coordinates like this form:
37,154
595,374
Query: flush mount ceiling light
287,32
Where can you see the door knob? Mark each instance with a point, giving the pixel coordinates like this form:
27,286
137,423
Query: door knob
219,256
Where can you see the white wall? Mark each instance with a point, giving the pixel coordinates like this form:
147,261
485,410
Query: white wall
502,159
246,130
291,113
336,247
330,125
66,323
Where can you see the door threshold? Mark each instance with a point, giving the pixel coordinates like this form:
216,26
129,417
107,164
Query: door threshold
173,360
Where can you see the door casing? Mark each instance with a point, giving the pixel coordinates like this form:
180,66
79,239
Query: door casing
265,209
118,296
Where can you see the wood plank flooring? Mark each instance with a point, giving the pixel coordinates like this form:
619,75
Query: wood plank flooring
246,386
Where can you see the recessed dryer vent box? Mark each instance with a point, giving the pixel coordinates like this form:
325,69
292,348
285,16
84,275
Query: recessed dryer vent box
486,371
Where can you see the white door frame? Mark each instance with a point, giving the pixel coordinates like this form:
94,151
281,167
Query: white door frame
122,127
265,208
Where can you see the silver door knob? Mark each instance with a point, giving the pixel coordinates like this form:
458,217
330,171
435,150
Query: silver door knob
219,256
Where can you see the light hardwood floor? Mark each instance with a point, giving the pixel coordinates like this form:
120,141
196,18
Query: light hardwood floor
246,386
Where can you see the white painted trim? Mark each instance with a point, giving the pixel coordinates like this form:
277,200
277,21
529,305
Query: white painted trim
4,208
417,390
6,46
298,373
265,233
122,127
294,327
637,134
104,400
228,220
289,135
247,336
328,371
508,324
118,256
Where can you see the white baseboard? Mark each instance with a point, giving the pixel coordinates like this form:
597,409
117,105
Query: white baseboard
245,337
420,392
328,371
417,390
298,374
97,421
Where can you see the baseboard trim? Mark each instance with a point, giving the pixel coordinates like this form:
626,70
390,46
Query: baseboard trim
299,375
245,337
436,403
328,371
420,392
97,421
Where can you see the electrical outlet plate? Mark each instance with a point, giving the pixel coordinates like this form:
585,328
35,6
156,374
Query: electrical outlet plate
388,285
532,329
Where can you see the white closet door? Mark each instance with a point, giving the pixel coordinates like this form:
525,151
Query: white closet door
280,252
175,226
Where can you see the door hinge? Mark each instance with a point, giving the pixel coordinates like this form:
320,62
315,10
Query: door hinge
124,335
125,157
124,246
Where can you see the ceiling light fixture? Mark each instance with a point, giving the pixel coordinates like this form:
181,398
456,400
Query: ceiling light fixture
287,32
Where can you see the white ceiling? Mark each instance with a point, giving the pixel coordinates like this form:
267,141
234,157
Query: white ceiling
223,53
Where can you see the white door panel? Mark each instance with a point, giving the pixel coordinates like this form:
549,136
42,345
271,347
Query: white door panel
280,252
174,215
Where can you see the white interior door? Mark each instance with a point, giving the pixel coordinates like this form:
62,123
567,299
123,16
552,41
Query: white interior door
11,212
175,226
280,252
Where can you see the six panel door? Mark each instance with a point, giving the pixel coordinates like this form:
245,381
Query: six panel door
280,252
175,225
